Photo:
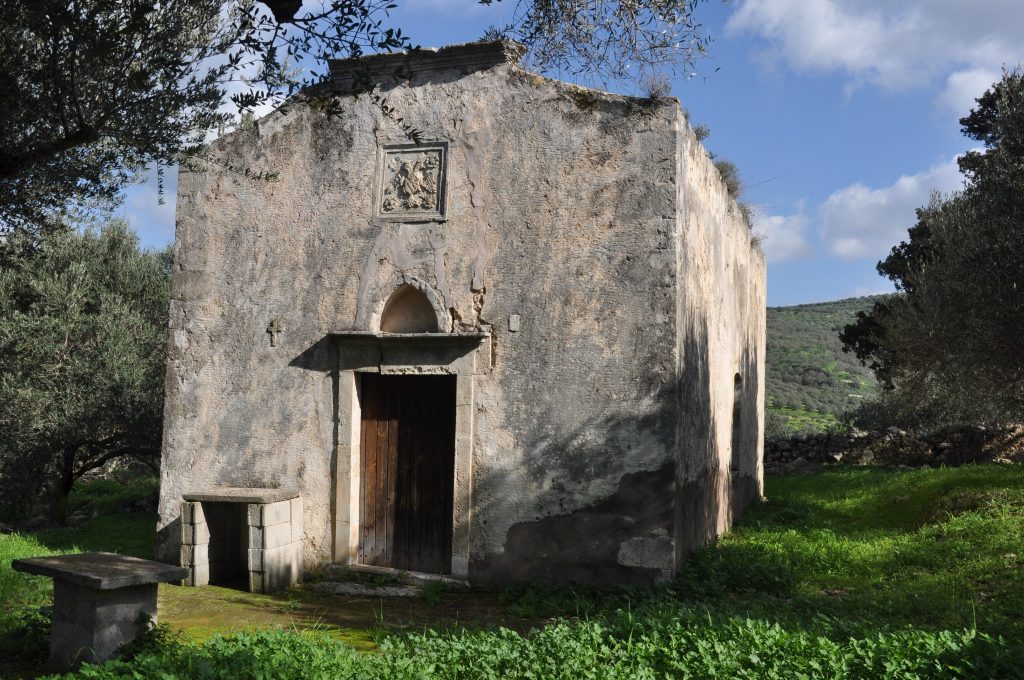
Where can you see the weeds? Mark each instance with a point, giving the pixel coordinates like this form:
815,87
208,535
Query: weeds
431,591
291,604
547,601
670,643
854,573
585,99
379,632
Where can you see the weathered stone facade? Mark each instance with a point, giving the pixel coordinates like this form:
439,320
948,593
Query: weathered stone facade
595,292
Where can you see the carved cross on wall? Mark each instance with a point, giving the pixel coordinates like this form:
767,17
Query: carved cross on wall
274,329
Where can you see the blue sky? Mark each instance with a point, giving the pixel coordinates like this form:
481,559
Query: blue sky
840,114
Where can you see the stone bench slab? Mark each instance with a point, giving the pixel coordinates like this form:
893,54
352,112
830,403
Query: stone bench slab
101,570
101,601
233,494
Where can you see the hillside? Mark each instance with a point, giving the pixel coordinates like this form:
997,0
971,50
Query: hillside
810,378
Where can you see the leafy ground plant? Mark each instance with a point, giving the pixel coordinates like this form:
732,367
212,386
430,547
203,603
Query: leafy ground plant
660,642
854,573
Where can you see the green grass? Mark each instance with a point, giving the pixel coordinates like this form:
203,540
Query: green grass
125,533
852,573
22,626
106,496
18,591
932,549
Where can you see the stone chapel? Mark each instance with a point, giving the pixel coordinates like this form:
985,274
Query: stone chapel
482,324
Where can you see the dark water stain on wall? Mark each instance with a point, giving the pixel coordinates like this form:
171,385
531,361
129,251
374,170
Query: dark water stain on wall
583,546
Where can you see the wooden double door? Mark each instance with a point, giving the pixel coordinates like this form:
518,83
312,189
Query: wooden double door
407,446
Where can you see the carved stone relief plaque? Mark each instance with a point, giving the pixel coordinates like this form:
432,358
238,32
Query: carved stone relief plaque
411,182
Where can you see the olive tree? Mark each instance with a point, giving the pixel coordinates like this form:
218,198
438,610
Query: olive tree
83,332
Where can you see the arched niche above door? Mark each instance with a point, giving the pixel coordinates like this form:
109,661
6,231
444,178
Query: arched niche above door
408,310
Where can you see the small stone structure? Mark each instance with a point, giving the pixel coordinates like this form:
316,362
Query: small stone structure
101,601
502,328
249,536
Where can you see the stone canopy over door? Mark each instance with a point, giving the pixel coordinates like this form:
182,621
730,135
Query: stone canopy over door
408,464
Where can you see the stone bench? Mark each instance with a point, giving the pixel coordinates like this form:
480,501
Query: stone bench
101,601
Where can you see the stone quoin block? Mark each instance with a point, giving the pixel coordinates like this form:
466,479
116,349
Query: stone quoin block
284,572
254,513
298,561
270,537
192,512
195,534
255,559
255,538
256,582
275,569
275,513
284,558
198,575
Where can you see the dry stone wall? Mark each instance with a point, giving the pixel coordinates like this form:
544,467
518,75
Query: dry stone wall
951,446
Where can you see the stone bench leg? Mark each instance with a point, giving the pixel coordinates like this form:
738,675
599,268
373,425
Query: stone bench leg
89,625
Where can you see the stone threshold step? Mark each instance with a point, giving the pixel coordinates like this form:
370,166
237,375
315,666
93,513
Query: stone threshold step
353,580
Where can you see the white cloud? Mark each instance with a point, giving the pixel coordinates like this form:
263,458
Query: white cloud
963,87
894,45
785,236
859,221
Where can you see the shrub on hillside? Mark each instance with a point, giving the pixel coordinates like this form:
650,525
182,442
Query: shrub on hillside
775,426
